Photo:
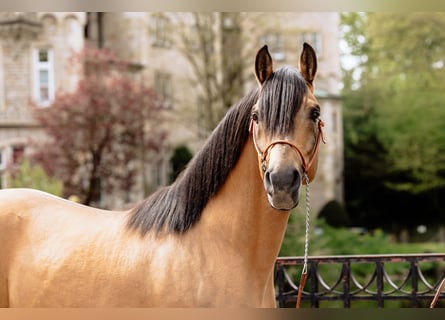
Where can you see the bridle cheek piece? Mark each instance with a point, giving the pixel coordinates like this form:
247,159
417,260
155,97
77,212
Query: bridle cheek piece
306,165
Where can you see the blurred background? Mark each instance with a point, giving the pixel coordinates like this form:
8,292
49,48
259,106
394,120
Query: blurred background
104,108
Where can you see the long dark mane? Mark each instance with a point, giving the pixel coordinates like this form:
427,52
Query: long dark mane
179,206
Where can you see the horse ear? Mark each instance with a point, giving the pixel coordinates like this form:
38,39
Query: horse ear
308,64
263,65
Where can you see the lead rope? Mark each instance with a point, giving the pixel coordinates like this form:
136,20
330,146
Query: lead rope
436,296
306,242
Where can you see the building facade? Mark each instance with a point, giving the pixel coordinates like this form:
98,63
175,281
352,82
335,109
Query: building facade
168,49
35,50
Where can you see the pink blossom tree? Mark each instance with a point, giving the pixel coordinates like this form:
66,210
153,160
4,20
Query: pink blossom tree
99,135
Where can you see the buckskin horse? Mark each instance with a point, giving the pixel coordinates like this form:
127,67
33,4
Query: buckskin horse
209,239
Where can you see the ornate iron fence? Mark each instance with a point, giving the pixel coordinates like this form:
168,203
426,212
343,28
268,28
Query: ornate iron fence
338,281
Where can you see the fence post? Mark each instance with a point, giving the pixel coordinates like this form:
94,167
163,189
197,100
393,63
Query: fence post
380,285
314,284
414,282
346,276
279,278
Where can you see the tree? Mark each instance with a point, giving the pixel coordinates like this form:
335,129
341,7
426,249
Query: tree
334,214
402,82
99,134
211,43
394,117
412,130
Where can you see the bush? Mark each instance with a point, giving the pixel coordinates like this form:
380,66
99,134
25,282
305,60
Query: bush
181,156
335,214
34,177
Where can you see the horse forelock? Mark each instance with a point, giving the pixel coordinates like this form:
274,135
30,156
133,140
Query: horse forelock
281,97
178,207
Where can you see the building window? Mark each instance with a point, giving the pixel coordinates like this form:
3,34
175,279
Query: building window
160,31
275,43
43,76
74,33
163,88
314,39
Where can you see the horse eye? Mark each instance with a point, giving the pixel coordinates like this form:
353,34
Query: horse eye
255,116
315,113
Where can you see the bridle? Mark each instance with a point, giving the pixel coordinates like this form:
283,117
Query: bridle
306,165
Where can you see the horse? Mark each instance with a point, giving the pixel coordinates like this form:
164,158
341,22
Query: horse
210,239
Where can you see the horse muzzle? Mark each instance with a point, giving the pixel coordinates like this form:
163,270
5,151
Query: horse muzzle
282,187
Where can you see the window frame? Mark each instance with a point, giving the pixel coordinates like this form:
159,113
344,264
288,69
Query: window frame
38,67
163,87
159,31
275,42
314,38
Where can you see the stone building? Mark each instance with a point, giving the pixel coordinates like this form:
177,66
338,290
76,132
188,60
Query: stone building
34,63
35,48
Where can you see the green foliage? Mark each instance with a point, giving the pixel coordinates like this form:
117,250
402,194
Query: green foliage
400,93
328,240
343,241
335,214
293,242
181,156
394,118
33,176
411,123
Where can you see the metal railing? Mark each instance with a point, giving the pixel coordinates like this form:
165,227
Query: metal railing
340,281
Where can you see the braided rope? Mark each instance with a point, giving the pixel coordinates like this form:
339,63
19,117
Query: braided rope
308,215
306,242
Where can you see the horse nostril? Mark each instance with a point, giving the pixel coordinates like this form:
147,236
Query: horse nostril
268,182
296,177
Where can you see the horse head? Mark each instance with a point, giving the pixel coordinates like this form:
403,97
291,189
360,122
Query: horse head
286,127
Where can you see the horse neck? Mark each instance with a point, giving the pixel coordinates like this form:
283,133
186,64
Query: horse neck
241,215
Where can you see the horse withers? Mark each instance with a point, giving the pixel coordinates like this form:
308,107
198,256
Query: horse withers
209,239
